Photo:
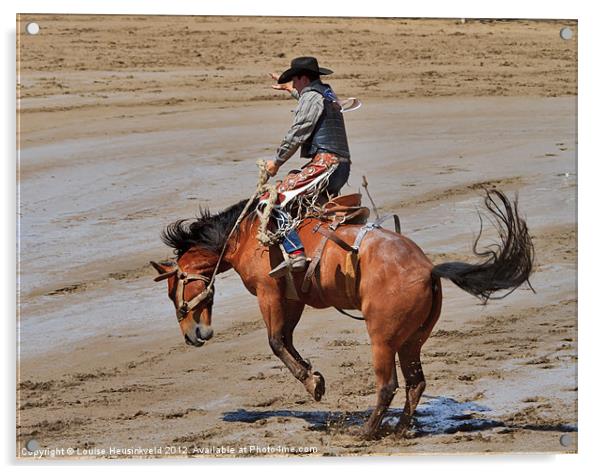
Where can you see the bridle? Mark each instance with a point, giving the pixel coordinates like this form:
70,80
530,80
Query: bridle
183,307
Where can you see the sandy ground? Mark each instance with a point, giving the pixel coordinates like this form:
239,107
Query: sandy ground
128,123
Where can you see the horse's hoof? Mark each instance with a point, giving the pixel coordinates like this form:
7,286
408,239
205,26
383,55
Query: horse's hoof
402,429
362,433
316,386
401,433
320,386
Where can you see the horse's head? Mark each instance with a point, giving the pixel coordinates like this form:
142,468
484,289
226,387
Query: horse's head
187,287
198,244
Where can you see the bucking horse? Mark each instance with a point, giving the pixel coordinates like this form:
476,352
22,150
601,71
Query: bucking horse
396,287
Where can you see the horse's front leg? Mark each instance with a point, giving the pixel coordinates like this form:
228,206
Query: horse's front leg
280,319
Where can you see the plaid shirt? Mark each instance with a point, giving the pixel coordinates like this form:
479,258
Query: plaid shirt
308,111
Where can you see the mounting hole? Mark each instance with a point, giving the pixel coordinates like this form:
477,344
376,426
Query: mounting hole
32,28
566,440
566,33
32,445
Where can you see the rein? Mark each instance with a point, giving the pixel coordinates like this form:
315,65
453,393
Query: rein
183,306
263,178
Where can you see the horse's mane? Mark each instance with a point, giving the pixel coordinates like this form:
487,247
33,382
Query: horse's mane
208,230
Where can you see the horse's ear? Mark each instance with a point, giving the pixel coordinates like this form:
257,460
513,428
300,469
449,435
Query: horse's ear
164,268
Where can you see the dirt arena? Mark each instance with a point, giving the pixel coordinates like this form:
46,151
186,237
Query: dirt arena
129,123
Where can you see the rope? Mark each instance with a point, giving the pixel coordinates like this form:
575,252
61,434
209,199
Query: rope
305,205
265,236
261,188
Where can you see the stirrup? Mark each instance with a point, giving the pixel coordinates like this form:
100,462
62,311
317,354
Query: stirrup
294,264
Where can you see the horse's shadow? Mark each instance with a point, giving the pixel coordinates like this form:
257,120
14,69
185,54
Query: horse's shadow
437,415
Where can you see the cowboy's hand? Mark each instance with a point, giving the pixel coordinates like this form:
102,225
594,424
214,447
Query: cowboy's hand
272,167
281,87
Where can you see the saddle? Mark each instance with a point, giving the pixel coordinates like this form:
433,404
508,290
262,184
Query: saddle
339,211
346,209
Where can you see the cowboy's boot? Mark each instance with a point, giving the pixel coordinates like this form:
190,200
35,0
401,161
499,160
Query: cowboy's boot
296,263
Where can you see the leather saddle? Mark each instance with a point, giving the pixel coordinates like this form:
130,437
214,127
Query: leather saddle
345,209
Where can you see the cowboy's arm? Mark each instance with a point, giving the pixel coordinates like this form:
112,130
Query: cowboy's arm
284,87
287,87
308,112
272,166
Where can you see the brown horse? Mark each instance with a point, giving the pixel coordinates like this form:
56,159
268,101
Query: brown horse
398,289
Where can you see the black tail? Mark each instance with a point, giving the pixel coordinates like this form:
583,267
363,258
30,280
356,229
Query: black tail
505,266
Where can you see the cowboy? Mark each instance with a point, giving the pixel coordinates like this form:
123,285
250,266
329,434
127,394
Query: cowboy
319,130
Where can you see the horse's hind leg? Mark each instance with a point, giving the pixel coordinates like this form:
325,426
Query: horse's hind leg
383,360
409,360
411,366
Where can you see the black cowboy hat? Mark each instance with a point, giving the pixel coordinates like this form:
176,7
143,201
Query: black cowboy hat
302,64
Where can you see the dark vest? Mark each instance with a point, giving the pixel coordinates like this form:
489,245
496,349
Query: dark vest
329,134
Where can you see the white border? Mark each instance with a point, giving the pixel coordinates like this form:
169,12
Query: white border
381,8
589,157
